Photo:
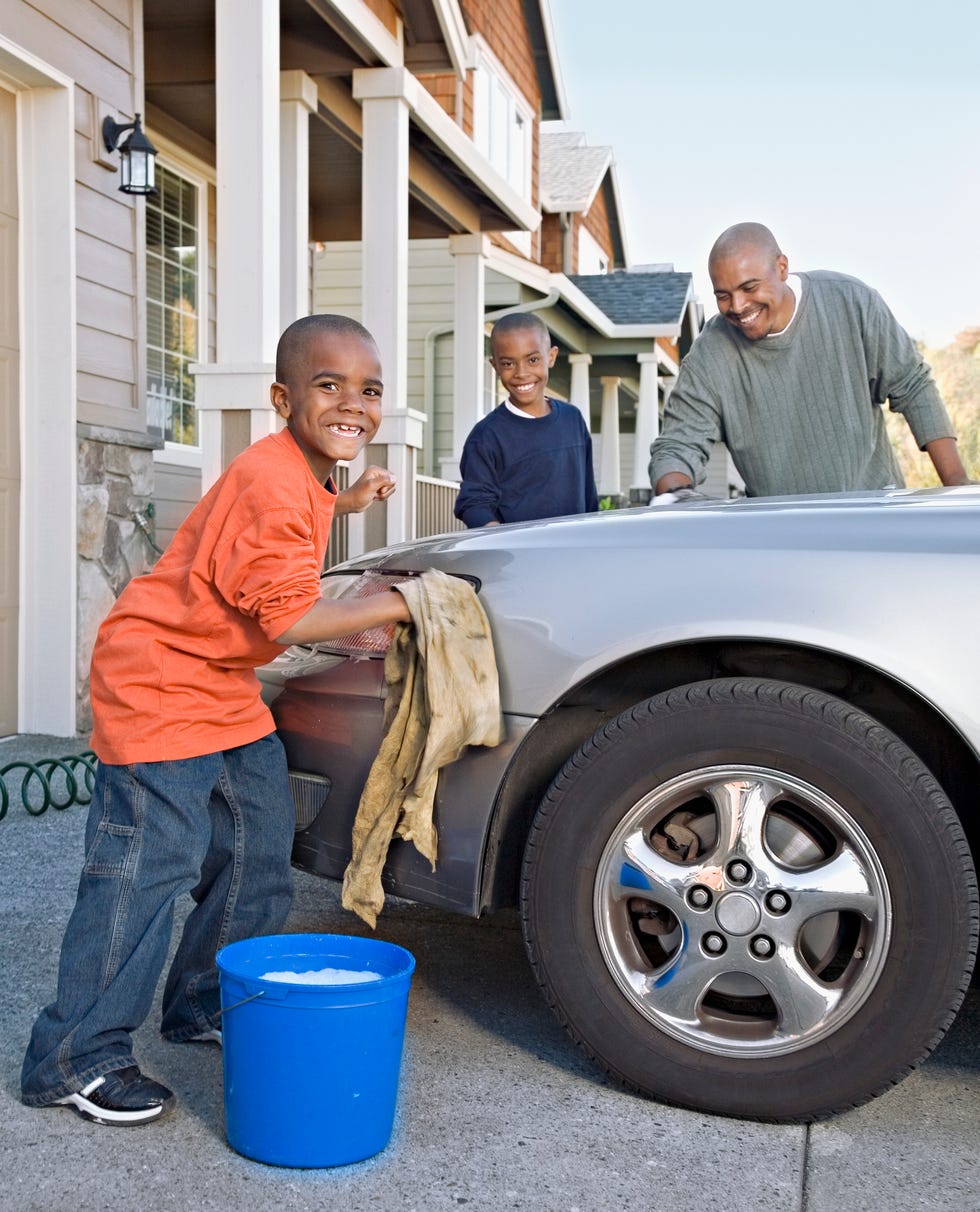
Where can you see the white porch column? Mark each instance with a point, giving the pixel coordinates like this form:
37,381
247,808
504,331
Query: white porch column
470,254
609,476
297,100
384,276
247,261
579,388
647,421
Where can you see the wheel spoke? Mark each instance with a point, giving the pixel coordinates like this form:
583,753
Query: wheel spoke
644,870
841,884
676,989
802,1002
741,806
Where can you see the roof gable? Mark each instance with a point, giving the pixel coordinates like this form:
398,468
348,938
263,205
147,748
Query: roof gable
571,173
637,297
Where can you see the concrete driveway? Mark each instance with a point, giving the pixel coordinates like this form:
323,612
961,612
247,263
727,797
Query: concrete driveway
497,1108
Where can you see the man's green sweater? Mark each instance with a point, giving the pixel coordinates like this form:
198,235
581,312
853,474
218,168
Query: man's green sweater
800,411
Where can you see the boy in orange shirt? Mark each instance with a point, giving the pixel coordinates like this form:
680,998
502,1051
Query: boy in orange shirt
191,790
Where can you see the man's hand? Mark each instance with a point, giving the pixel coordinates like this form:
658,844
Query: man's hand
672,495
373,484
671,481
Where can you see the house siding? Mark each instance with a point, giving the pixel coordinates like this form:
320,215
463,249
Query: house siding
551,243
444,88
386,12
596,223
94,45
503,25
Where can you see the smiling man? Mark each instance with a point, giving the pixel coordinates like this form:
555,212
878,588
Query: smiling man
791,376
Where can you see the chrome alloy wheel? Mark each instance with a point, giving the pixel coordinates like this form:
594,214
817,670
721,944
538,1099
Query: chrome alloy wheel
742,911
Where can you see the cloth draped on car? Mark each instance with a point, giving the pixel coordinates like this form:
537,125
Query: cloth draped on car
442,695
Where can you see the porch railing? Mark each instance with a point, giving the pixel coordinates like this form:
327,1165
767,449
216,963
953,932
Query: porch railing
434,501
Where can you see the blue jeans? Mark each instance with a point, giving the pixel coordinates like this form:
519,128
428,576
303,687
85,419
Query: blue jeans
218,826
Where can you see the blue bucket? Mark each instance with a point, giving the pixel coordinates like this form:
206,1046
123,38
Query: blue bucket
311,1070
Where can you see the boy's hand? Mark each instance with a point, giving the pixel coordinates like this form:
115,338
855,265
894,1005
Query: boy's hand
373,484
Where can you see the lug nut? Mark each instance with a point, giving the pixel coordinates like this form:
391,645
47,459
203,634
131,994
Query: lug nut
777,902
762,946
699,898
714,944
739,872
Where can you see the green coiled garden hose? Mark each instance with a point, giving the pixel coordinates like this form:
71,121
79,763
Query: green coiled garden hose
49,783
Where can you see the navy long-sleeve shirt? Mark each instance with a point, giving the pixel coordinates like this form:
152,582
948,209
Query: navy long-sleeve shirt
515,469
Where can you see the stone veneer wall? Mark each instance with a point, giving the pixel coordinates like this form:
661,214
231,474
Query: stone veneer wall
115,484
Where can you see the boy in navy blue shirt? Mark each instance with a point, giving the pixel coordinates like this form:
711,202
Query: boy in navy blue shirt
532,456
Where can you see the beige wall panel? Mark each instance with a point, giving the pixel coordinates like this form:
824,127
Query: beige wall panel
104,77
8,154
110,310
8,265
107,402
101,262
89,172
105,216
176,490
103,355
9,420
92,25
122,10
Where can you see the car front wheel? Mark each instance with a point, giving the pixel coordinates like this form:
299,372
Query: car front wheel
749,898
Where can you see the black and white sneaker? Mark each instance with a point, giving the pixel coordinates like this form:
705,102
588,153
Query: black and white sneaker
122,1098
211,1036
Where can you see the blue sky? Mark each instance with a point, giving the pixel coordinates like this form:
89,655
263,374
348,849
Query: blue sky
850,129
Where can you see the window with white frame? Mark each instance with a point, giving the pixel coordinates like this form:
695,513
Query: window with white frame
502,121
174,287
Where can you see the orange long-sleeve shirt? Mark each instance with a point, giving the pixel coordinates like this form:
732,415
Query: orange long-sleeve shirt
173,670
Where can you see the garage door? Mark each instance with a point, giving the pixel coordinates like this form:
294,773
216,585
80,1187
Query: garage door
9,417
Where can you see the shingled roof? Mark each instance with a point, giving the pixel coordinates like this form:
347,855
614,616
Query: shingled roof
570,172
636,297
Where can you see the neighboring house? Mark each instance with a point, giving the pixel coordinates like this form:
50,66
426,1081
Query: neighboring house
378,157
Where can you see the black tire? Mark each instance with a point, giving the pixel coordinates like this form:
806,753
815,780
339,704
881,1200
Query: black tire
834,959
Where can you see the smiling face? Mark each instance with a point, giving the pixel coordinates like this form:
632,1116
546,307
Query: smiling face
522,358
750,290
330,397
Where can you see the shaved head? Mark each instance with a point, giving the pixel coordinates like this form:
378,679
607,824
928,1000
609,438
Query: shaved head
748,275
295,340
742,238
521,321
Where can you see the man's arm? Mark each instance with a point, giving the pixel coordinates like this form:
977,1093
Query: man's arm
945,456
692,425
902,376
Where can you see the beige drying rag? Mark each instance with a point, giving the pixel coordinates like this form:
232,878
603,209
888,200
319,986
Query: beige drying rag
443,695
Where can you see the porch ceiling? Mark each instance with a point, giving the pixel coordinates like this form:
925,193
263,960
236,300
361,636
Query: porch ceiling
179,49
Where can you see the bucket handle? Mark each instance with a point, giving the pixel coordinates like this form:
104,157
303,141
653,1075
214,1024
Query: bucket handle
235,1005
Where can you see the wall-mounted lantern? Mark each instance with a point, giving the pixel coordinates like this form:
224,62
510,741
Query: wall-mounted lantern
137,156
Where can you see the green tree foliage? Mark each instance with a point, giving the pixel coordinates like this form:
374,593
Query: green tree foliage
957,372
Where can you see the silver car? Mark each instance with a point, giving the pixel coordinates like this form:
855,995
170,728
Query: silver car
738,791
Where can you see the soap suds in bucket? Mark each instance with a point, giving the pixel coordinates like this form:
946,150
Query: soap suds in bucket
322,976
